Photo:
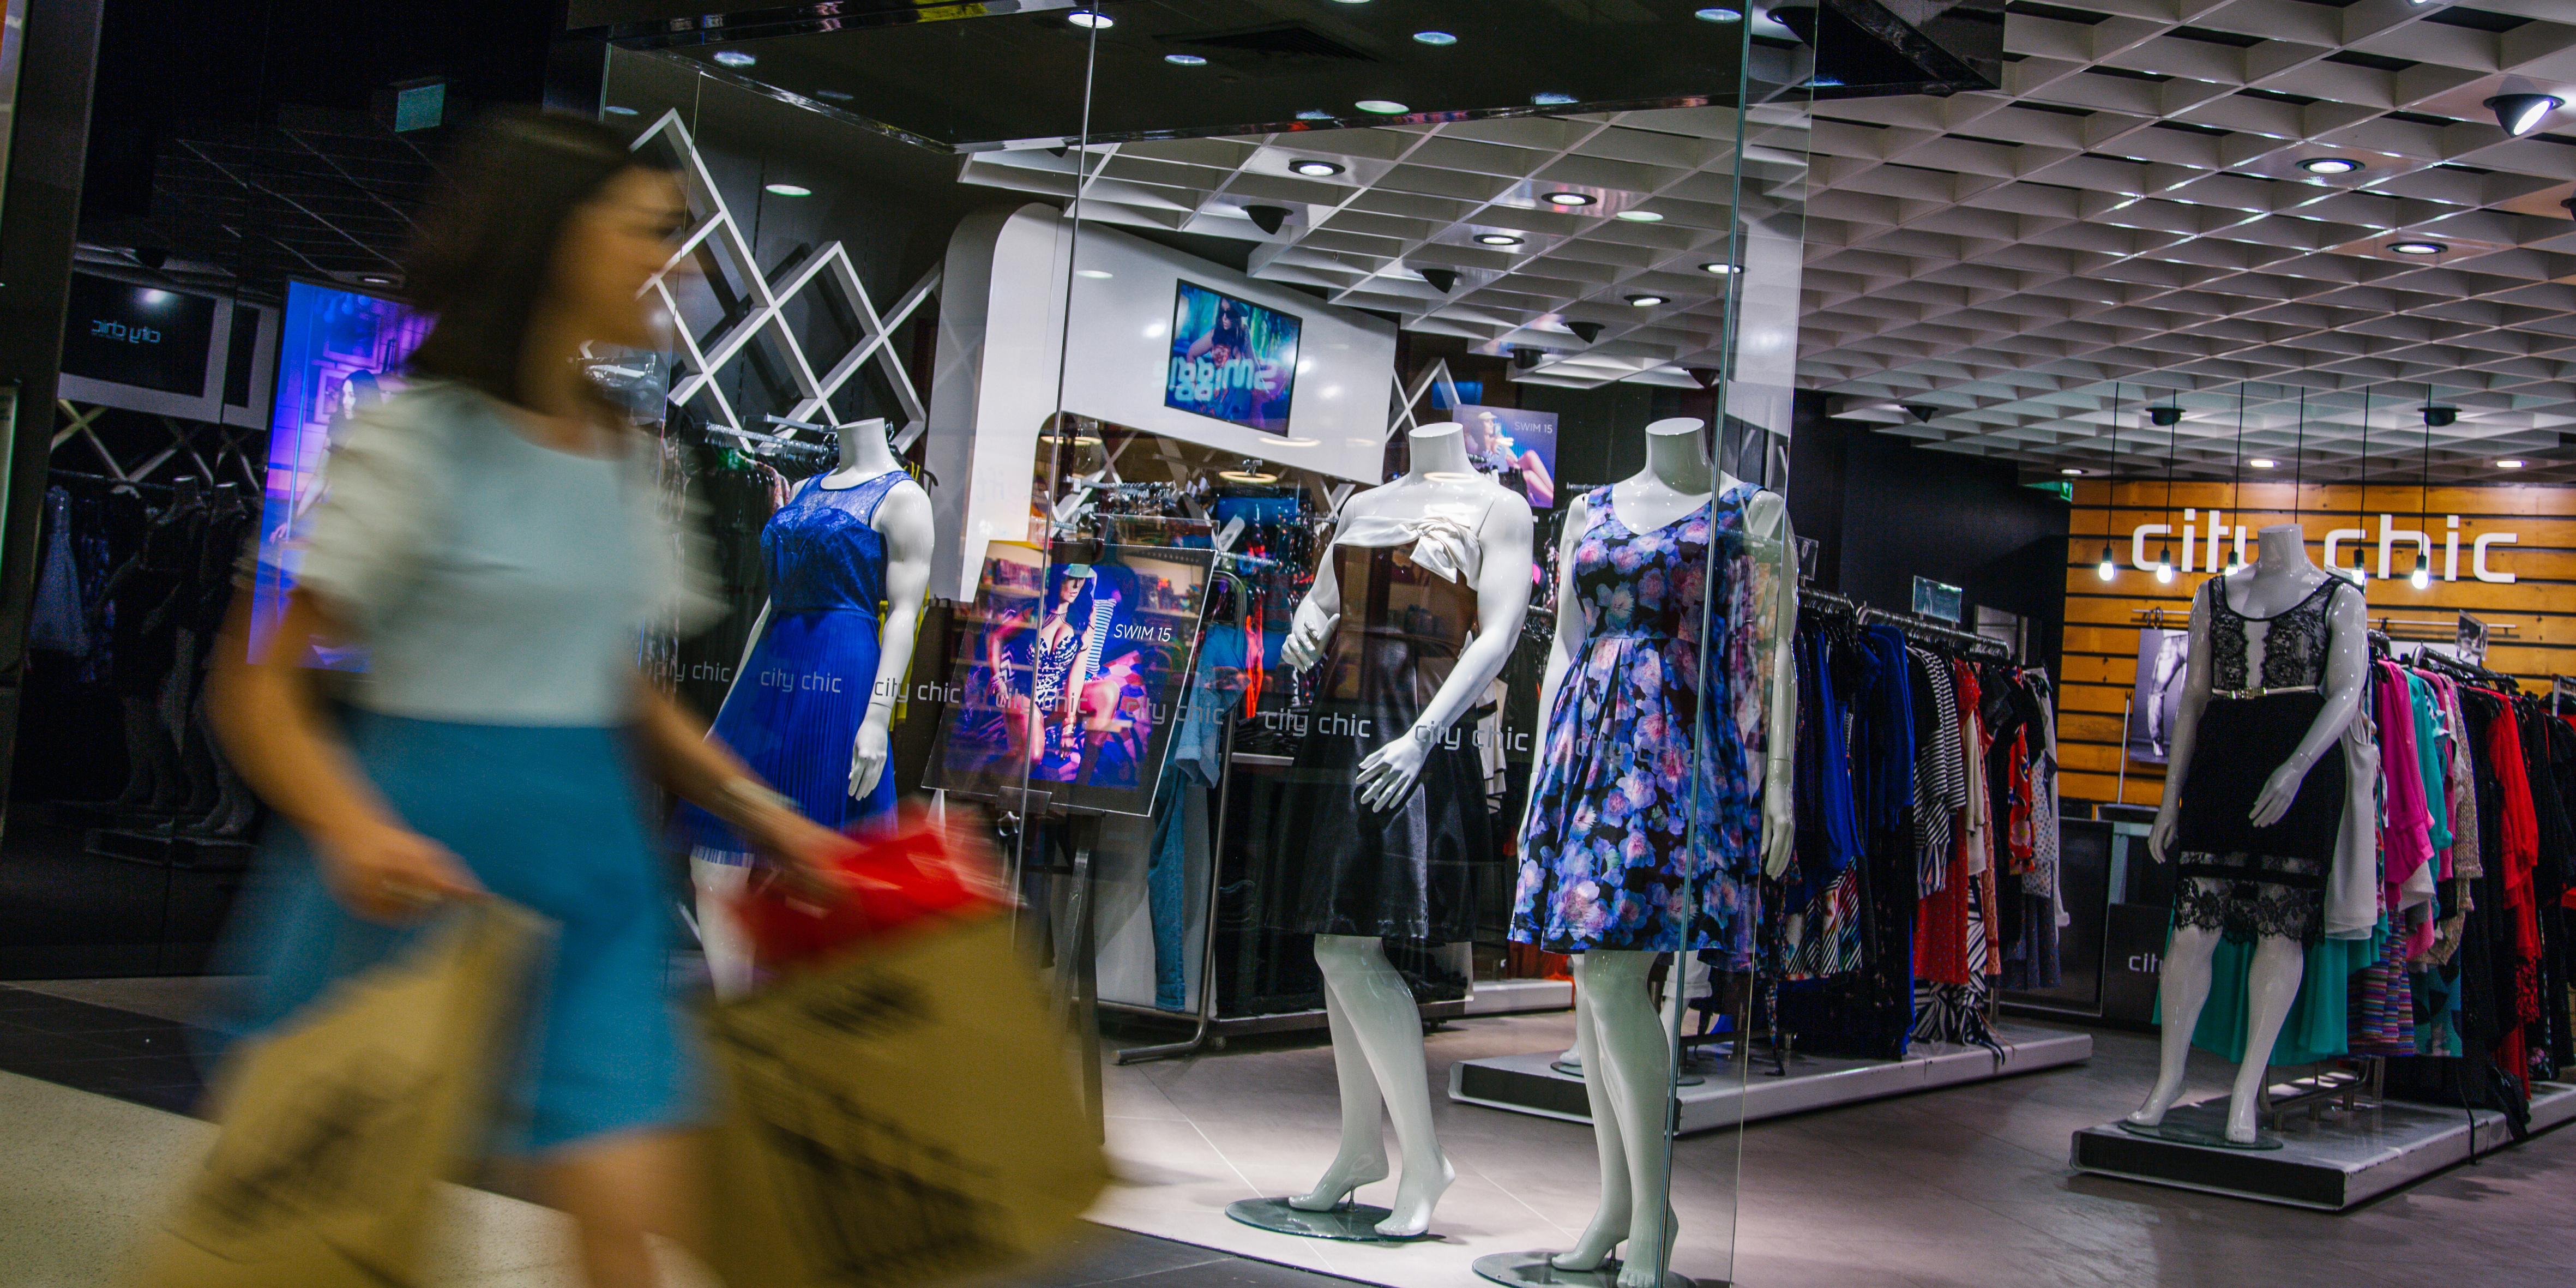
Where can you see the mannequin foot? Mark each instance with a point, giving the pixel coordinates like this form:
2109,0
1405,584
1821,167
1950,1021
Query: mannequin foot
1415,1196
1646,1271
2152,1113
1345,1175
2240,1121
1600,1239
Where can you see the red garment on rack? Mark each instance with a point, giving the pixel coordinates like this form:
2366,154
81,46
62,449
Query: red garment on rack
1941,918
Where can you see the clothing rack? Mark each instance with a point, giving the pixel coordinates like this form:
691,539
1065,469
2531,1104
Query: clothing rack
1921,628
2459,670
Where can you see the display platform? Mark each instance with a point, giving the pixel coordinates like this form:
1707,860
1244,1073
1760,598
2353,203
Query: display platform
2330,1160
1531,1084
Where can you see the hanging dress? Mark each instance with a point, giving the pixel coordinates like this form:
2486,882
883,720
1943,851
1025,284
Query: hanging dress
794,710
1408,601
1651,776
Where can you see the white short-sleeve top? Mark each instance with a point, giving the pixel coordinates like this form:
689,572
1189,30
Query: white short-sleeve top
492,580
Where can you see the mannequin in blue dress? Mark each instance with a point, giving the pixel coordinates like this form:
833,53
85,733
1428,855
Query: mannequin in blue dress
849,566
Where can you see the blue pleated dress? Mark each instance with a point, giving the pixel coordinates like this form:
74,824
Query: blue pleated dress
794,711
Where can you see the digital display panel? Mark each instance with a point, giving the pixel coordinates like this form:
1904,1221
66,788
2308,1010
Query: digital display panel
1232,360
141,336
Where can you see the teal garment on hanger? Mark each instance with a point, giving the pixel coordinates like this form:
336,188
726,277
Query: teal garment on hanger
2317,1025
2431,753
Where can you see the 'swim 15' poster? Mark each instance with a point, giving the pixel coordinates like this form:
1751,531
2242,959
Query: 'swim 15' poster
1232,360
1517,447
1074,672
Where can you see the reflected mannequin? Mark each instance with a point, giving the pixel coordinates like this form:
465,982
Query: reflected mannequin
901,519
1455,524
2265,598
1628,1053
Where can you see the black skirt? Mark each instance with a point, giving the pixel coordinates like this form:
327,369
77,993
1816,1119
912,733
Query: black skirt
2238,745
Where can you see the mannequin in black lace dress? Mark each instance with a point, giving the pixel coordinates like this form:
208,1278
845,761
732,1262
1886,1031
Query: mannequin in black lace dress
2255,798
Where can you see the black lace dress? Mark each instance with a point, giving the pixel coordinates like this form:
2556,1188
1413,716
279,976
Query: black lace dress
2266,681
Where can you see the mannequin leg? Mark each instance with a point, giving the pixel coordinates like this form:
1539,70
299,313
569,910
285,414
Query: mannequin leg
2273,984
1381,1015
1362,1158
1632,1061
728,950
1610,1219
2183,991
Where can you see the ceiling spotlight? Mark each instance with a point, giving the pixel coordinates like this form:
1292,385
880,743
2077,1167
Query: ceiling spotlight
1641,216
2416,248
1720,269
2509,465
1719,15
1092,18
1646,301
2069,470
618,111
1269,219
1185,60
787,190
2162,417
1497,239
735,58
1443,280
1382,106
1553,100
2520,113
2439,417
2106,569
1569,199
2422,577
1315,169
1435,38
1587,332
2263,463
2330,165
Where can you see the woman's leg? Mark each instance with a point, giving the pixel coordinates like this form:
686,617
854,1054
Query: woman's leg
622,1187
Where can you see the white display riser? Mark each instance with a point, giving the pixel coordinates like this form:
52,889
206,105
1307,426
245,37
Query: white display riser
2330,1161
1530,1084
1518,996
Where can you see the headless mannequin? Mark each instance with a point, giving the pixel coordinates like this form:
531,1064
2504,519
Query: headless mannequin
903,520
2282,575
1627,1052
1377,1030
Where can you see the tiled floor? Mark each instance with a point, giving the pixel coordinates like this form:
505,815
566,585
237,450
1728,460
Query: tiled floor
1966,1186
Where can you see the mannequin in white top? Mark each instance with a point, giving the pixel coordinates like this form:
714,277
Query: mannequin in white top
1627,1051
1377,1030
903,520
2281,577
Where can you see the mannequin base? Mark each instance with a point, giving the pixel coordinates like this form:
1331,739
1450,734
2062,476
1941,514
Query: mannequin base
1572,1069
2194,1132
1350,1223
1534,1270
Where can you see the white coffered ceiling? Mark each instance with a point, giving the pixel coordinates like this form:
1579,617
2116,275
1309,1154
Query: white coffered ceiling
2013,273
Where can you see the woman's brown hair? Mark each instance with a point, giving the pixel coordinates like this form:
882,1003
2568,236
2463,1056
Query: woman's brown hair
484,251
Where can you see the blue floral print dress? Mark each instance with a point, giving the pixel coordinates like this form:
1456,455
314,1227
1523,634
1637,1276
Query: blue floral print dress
1642,837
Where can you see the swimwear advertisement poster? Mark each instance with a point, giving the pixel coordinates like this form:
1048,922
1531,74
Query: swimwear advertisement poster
337,351
1232,360
1517,447
2163,657
1074,672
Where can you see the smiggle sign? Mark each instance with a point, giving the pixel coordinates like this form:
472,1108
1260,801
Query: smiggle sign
2203,538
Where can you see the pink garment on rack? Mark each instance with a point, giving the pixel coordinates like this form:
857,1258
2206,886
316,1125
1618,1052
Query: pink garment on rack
2406,834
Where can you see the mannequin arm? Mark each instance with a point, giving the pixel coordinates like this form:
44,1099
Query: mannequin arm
1768,519
903,519
2186,730
1502,599
1317,614
2347,670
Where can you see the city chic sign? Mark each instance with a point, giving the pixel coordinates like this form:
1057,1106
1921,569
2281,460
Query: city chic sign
2211,534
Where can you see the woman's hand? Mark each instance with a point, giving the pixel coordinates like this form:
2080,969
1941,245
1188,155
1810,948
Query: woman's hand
385,872
806,853
1386,776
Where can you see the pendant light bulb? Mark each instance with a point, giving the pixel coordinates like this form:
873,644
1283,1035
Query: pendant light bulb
2360,572
2108,569
2164,565
2422,579
2234,560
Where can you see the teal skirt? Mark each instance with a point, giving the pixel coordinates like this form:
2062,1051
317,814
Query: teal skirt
550,818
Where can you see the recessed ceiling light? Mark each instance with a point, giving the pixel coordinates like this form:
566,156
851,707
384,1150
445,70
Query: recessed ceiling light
735,58
618,111
1314,168
2069,470
1092,18
2509,465
1719,269
1497,239
1553,100
1641,216
2520,114
1569,199
1093,273
376,279
1185,60
1435,38
788,190
2330,165
1314,114
1382,106
1719,15
1646,301
2263,462
2416,248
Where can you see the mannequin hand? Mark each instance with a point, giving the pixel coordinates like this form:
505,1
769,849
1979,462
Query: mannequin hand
1779,830
387,872
1305,644
2279,791
2160,837
867,758
1386,776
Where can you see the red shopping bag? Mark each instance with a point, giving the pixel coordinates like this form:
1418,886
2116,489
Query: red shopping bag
891,881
